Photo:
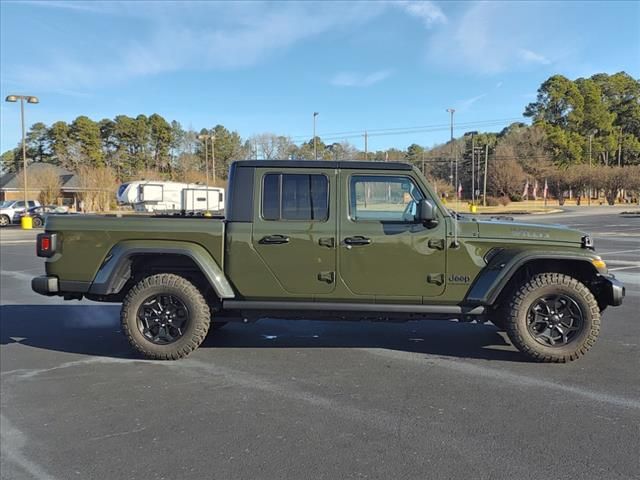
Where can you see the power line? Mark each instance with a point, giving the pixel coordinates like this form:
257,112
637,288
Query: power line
407,130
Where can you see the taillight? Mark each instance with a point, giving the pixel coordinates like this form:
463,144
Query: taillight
46,244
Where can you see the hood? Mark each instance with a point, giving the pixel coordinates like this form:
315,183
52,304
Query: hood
530,232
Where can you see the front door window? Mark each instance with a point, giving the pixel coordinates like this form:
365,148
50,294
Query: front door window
383,199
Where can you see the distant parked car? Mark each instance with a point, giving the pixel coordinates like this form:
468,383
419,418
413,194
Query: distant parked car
10,210
40,213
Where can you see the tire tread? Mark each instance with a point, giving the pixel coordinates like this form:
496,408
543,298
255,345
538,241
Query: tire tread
201,316
516,305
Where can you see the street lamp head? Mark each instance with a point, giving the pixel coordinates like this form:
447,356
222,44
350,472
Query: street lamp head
315,114
11,98
471,133
202,136
33,100
451,110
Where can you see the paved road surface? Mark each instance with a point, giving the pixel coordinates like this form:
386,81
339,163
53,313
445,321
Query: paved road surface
294,400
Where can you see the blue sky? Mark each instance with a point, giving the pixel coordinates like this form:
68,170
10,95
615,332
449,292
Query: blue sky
266,67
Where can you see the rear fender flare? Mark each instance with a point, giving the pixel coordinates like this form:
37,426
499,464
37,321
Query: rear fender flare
115,268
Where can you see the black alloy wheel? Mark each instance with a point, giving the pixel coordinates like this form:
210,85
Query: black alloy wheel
554,320
162,319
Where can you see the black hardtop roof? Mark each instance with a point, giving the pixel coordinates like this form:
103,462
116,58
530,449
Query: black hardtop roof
324,164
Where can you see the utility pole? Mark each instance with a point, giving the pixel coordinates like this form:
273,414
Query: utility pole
484,187
213,156
315,143
451,111
590,143
423,170
204,138
473,153
620,149
366,146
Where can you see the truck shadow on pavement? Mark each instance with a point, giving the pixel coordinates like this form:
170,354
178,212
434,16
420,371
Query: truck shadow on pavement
95,330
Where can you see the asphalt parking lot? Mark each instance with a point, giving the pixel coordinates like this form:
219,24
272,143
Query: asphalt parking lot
294,400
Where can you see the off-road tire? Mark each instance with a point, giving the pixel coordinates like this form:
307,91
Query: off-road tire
170,284
549,284
5,221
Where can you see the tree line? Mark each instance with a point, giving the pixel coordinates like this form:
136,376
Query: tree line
591,121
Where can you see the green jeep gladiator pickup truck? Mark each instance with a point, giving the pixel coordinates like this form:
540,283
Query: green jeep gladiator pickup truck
331,240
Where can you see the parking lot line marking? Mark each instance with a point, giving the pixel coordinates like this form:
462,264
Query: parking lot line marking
620,251
16,242
12,445
506,376
623,262
623,268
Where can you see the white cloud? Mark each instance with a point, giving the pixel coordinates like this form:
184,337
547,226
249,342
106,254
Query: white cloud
533,57
426,11
464,105
489,38
183,36
352,79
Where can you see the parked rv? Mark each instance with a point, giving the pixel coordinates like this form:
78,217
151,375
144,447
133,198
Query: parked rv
150,196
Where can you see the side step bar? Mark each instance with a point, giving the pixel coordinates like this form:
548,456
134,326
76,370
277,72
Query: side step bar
353,307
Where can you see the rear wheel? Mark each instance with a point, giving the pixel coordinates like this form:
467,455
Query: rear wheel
4,221
165,317
553,318
37,222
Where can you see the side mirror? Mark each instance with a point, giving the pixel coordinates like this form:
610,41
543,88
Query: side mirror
426,213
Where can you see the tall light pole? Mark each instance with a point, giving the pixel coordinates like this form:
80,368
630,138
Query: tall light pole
315,143
451,111
29,99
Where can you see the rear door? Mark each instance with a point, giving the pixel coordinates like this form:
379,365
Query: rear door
294,228
383,251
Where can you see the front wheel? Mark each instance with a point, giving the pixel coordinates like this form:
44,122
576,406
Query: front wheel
165,317
553,318
4,221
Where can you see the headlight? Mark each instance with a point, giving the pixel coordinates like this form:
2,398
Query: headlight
587,242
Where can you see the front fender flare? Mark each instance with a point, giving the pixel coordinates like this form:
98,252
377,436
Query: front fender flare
494,277
113,272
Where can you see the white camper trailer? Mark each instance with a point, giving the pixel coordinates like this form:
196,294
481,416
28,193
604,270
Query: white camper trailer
153,196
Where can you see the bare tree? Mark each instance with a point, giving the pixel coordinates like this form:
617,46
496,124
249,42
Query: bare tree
505,176
46,179
270,146
97,188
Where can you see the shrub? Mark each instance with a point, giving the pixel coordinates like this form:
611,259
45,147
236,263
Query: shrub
504,200
515,197
492,201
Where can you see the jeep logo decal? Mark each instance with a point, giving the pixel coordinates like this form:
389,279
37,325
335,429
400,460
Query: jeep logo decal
453,278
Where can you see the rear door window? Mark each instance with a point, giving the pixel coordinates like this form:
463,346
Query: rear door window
299,197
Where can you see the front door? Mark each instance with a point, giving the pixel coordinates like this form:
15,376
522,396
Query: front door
294,230
383,251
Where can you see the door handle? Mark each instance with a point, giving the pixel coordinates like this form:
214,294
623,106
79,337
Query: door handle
274,239
359,240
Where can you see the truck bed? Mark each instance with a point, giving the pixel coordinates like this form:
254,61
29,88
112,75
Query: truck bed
83,239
